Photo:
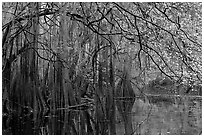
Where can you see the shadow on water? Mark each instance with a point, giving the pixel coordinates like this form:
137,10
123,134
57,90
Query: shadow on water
24,123
44,123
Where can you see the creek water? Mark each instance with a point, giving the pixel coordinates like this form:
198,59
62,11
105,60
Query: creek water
183,118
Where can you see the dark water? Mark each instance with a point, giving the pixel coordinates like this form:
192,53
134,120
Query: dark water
23,123
60,122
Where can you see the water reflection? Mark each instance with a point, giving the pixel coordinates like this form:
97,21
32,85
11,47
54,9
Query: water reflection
63,122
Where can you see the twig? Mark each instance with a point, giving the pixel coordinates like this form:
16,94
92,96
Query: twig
138,126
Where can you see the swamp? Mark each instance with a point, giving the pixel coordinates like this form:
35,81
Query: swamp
101,68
